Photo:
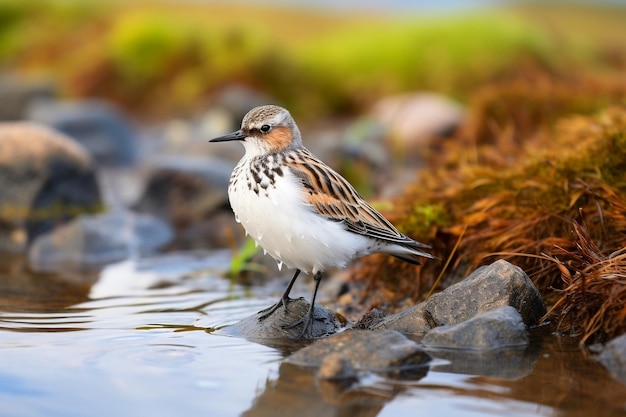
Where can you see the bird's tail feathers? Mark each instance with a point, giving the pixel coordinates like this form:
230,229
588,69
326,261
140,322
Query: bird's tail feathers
410,253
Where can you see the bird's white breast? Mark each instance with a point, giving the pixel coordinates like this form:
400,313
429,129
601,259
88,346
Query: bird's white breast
273,212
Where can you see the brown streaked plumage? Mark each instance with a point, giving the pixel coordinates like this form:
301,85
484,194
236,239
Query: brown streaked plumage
302,212
334,198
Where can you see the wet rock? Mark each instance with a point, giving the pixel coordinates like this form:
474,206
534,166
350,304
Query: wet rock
370,319
343,355
415,118
489,287
409,321
93,241
613,358
19,94
493,329
325,322
45,179
95,124
188,192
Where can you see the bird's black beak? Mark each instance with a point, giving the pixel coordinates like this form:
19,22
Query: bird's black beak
238,135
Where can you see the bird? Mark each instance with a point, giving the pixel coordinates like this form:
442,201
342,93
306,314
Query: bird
299,210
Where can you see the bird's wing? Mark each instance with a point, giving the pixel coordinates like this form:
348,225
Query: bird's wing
334,198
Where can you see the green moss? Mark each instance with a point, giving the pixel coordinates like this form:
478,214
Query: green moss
143,47
13,14
417,53
157,54
423,217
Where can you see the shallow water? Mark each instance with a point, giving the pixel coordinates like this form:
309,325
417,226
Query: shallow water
152,338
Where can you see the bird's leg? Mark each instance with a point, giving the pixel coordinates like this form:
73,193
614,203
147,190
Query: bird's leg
284,299
308,317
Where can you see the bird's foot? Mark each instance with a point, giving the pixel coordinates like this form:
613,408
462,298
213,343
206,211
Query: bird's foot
265,313
304,321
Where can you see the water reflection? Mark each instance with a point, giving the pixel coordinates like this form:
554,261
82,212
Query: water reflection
507,363
152,336
552,378
23,290
296,392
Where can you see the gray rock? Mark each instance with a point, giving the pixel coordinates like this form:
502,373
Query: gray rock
355,351
45,179
409,321
415,118
189,193
93,241
613,358
493,329
488,288
370,319
95,124
185,186
19,94
325,322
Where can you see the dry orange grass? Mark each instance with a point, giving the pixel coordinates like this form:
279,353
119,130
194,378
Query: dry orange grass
549,197
592,303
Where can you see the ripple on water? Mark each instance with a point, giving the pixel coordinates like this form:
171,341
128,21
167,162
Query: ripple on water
151,337
137,343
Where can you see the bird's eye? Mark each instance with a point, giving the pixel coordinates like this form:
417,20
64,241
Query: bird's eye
266,128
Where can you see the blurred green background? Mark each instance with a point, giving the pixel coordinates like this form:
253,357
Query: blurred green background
160,58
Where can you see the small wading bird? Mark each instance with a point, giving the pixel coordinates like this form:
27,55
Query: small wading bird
301,212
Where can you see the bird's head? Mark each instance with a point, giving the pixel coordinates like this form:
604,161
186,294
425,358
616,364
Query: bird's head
265,130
